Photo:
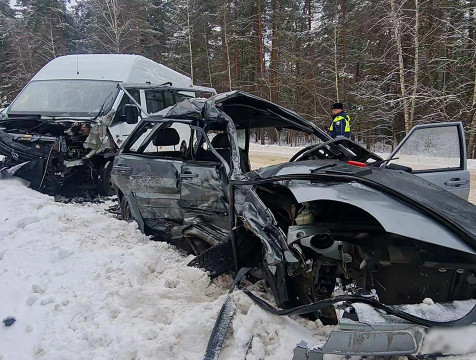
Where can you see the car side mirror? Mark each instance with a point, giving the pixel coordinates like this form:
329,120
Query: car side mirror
5,105
131,113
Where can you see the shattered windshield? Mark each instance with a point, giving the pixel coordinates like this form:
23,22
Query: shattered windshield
64,97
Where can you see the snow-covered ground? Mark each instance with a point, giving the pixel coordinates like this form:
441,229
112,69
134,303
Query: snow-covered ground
83,285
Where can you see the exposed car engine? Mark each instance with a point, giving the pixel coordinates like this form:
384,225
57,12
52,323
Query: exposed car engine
50,149
347,251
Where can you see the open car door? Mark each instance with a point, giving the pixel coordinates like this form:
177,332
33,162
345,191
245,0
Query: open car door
437,153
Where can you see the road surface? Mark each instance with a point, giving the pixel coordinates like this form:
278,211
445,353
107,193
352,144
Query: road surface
261,156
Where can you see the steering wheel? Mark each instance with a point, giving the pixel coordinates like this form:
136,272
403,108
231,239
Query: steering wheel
323,153
300,152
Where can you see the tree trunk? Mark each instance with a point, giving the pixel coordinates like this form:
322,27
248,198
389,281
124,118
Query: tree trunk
273,67
336,67
260,50
237,64
189,33
472,113
344,47
416,67
208,57
228,65
309,26
472,121
401,66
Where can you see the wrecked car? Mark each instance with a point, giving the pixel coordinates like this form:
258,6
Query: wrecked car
336,220
66,125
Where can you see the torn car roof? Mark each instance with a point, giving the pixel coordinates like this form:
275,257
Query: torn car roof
245,110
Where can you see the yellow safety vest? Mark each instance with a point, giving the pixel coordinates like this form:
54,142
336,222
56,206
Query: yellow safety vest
340,118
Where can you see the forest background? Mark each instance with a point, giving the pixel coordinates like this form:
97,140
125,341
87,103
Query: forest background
393,63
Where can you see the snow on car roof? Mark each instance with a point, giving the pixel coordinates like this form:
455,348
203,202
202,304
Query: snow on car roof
113,67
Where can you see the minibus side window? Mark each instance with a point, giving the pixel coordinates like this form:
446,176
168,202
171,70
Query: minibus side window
120,113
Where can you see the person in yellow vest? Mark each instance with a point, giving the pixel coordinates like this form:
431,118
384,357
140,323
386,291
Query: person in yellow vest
340,125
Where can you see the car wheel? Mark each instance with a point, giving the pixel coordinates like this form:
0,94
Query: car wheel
197,245
216,259
105,185
126,213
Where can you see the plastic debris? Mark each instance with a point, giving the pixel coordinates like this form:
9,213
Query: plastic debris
9,321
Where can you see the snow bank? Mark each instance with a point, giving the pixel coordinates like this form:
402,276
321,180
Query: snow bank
84,285
472,165
275,149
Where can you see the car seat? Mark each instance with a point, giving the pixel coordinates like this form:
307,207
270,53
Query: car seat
221,144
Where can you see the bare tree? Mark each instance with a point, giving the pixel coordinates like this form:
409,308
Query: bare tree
401,66
112,26
189,35
225,43
273,66
416,64
336,66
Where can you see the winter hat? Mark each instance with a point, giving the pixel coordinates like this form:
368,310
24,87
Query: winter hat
339,106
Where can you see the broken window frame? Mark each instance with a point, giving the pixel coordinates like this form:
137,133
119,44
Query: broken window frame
119,116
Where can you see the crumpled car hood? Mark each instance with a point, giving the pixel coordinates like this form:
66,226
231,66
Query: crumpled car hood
447,208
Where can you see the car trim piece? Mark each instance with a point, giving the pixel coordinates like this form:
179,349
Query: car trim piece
360,343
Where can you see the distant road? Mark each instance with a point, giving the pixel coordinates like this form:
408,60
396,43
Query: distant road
261,156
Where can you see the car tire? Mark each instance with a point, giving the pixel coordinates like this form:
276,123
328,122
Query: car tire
216,259
105,186
126,212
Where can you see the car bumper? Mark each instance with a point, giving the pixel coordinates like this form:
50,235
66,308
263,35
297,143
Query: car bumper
363,340
390,336
16,152
33,155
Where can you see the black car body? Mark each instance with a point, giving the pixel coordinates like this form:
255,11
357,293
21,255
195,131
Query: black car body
335,219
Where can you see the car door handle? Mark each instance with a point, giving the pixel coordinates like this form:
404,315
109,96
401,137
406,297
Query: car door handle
188,175
456,182
122,169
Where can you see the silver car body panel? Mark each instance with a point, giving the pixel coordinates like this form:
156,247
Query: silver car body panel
393,215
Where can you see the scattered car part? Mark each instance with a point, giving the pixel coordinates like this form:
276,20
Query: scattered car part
223,321
358,339
9,321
